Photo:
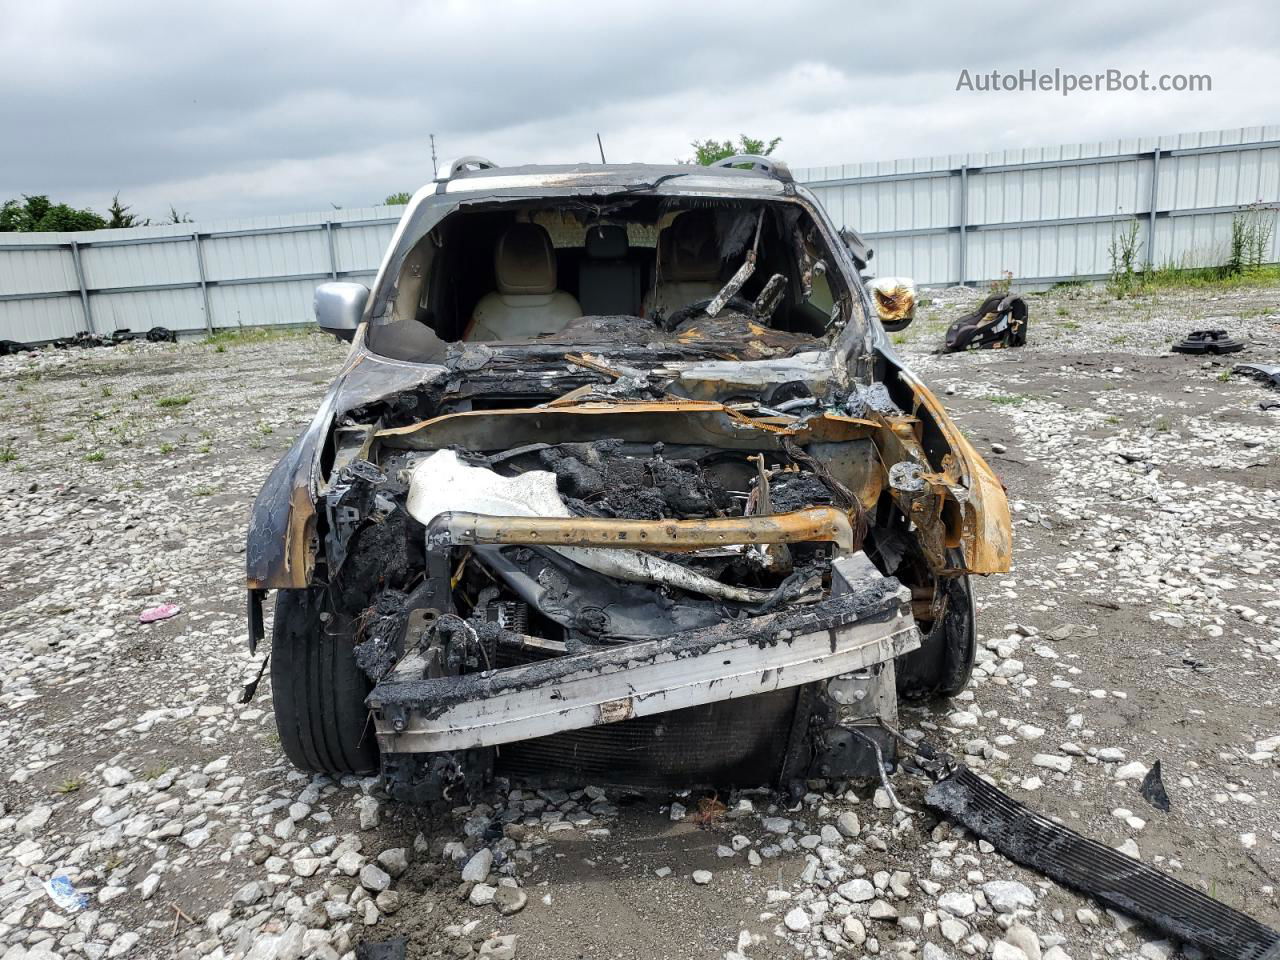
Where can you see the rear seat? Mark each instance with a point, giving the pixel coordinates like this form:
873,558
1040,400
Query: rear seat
609,284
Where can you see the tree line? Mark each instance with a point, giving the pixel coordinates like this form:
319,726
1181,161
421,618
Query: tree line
36,213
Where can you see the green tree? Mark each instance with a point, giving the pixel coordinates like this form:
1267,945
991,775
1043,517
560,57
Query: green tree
398,199
176,217
118,215
38,214
707,152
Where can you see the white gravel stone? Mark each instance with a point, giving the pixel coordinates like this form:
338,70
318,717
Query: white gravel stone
115,776
374,878
957,903
477,868
796,920
1008,896
1051,761
857,890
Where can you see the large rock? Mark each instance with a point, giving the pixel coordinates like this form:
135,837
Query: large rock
477,868
509,900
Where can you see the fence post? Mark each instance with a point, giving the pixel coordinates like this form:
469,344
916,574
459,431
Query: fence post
1151,226
84,291
333,256
964,220
204,284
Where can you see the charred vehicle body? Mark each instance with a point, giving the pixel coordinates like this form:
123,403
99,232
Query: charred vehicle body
620,482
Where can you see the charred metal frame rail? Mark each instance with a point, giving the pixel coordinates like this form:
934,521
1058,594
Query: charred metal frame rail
1119,881
456,529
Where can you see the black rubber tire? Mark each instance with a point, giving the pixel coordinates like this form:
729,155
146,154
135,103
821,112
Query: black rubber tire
317,689
943,664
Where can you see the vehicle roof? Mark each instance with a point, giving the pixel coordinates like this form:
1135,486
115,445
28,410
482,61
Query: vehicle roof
599,178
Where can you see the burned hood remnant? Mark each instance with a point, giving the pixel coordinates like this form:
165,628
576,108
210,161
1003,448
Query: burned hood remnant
621,482
1207,341
1000,321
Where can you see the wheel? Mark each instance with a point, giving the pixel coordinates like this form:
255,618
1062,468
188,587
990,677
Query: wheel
317,689
944,662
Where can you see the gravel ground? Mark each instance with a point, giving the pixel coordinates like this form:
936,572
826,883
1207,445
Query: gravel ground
1141,622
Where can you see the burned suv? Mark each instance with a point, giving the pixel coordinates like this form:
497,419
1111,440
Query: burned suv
620,482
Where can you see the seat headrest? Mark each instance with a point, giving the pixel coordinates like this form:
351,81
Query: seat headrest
524,261
688,249
606,241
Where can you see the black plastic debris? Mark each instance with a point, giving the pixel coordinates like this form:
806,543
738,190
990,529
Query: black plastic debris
1268,374
1207,341
13,346
1109,876
1000,321
84,339
393,949
1153,790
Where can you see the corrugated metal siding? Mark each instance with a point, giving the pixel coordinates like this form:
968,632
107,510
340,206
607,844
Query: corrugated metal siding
1002,209
142,310
137,265
259,271
262,304
36,320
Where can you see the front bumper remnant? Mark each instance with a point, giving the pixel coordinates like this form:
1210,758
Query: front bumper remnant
867,621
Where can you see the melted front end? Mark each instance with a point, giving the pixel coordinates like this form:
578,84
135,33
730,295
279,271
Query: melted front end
572,569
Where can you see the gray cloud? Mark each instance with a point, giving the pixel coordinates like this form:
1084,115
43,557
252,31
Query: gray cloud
235,108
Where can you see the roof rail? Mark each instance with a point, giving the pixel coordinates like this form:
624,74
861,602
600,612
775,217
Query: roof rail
451,168
777,169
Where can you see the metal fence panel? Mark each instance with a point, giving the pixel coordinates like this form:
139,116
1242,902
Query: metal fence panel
1050,213
180,309
256,271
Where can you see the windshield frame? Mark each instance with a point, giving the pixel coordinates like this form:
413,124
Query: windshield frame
436,202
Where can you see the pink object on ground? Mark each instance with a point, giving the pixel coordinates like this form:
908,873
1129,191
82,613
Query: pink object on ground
162,612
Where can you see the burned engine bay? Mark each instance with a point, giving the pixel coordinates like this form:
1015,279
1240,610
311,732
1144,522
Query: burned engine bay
531,525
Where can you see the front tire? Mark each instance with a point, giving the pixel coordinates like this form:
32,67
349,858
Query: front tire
317,689
943,664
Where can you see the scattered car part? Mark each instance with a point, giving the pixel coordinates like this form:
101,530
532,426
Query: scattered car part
9,347
1268,374
895,300
1000,321
1117,880
1153,790
1207,341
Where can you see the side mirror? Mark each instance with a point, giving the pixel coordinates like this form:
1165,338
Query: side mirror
895,299
339,307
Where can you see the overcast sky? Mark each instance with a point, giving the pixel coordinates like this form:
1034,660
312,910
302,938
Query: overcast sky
230,108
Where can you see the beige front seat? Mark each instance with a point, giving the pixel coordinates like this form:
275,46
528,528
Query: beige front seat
527,302
688,263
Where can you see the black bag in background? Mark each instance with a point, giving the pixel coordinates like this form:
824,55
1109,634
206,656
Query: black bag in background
1000,321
